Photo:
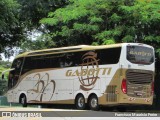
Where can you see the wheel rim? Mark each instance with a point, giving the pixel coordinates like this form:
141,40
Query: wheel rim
81,102
94,102
23,100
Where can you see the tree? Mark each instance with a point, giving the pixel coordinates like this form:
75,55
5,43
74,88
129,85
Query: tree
105,22
19,18
10,29
77,22
41,42
30,13
3,83
33,10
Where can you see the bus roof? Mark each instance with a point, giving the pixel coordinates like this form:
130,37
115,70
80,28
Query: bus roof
66,49
74,49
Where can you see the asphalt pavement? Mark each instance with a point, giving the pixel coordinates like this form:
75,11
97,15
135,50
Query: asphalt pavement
16,113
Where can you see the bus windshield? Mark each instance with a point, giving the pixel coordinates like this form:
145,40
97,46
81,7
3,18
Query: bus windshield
15,74
140,55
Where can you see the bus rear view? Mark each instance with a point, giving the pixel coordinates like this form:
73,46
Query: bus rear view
137,74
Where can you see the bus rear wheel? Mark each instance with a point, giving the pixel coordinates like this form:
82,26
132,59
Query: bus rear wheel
80,102
23,100
93,103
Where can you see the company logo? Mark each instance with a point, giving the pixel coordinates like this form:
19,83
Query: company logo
89,71
89,75
140,53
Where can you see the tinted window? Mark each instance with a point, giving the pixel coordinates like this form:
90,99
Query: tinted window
109,56
140,55
41,62
104,56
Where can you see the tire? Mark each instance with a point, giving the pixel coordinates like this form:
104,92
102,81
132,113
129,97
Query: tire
24,101
93,103
80,102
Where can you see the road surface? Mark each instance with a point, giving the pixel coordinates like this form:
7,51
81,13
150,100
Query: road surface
16,113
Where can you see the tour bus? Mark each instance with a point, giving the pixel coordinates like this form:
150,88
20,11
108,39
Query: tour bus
84,75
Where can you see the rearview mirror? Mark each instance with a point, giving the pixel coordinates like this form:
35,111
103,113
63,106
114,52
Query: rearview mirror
2,76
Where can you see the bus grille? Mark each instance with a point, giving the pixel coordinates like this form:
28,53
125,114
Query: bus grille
111,93
139,83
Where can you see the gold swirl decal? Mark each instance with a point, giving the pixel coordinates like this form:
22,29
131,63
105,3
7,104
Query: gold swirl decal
41,85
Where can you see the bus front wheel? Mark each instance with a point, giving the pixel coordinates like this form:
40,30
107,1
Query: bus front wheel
80,102
23,100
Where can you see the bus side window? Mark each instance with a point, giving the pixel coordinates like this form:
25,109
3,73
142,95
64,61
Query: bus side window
69,62
77,58
109,56
73,59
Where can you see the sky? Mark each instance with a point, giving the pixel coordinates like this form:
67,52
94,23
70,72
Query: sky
6,59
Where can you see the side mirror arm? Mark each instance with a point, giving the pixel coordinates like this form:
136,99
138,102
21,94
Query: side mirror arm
5,72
